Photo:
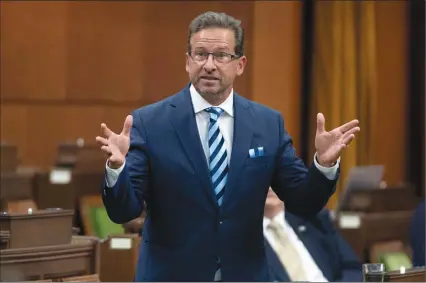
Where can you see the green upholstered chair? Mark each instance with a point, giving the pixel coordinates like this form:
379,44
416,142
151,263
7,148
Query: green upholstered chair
95,219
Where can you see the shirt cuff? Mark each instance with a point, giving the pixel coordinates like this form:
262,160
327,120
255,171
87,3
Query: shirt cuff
112,175
329,172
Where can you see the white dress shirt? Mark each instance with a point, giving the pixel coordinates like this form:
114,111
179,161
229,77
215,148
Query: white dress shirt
226,126
226,121
312,272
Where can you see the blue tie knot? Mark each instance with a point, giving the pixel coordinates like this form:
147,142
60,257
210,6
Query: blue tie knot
214,112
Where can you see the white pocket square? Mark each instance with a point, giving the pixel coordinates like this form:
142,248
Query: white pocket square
256,152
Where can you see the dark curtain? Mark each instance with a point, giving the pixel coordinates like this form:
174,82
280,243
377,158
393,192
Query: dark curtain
416,111
415,169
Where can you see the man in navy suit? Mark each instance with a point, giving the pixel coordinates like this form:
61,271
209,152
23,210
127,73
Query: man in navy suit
306,250
417,235
202,160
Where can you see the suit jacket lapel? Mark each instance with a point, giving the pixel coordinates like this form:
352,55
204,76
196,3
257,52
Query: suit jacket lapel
308,234
182,117
241,144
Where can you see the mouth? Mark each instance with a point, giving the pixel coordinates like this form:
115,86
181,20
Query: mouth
209,78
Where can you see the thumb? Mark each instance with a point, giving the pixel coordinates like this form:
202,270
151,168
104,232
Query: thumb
320,123
127,125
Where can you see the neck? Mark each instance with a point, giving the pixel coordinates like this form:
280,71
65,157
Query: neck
271,212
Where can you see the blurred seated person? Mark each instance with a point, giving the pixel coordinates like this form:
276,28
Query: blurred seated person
417,235
306,250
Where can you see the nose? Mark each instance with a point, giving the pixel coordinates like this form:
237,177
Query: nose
210,65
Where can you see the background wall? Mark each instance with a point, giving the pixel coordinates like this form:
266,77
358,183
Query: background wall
68,66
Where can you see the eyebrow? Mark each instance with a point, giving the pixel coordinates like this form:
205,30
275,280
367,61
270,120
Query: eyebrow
219,49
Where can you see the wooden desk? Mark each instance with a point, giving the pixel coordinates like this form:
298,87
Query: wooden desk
375,215
411,275
80,156
381,200
118,258
40,228
67,194
84,278
16,186
80,257
369,228
51,192
9,159
17,191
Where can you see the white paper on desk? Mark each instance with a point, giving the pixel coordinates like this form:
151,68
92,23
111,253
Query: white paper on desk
60,176
120,243
349,221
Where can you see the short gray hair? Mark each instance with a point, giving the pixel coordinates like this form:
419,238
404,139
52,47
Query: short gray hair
218,20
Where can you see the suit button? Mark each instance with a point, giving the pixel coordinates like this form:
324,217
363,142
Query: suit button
220,222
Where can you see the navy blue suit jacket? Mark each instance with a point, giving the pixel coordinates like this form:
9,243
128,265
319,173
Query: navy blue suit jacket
417,235
185,232
333,256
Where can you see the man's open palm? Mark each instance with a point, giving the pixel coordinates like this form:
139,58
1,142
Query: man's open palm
116,146
330,144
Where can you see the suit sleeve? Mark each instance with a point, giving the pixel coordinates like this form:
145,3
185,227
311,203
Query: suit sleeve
125,200
304,191
350,267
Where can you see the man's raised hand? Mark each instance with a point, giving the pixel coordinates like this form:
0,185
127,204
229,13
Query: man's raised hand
329,145
116,146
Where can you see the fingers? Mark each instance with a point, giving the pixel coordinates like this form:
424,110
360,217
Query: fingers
104,146
115,157
349,136
352,131
105,130
102,141
320,123
106,149
112,154
127,125
346,141
346,127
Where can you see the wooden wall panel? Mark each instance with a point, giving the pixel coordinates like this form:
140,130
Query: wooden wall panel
168,34
392,60
245,11
38,129
69,66
106,44
33,50
14,128
276,75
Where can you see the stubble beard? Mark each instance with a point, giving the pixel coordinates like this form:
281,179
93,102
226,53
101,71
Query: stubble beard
214,97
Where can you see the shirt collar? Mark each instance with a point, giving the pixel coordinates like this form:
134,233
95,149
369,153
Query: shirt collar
199,103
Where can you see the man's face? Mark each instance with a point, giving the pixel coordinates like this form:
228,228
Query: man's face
272,200
209,76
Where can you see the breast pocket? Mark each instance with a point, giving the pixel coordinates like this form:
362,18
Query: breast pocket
257,161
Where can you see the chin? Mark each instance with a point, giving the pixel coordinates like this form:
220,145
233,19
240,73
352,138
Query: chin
209,91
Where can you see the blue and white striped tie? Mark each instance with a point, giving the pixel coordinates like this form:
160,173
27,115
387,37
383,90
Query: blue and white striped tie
218,161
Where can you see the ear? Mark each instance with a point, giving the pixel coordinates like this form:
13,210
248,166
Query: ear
187,58
241,64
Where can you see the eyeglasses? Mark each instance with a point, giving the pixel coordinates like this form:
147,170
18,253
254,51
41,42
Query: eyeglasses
219,57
